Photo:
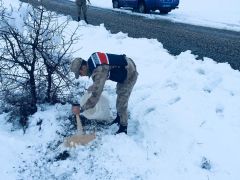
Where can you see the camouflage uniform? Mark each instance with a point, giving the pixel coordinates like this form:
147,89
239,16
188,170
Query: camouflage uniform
82,7
100,75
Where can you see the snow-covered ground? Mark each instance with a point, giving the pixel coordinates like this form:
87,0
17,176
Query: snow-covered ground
184,120
215,13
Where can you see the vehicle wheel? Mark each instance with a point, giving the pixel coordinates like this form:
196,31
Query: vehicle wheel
141,7
115,4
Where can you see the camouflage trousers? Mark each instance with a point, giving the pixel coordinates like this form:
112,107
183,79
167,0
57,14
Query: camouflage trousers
124,91
82,8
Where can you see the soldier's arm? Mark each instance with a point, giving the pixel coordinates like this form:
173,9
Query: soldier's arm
99,76
89,1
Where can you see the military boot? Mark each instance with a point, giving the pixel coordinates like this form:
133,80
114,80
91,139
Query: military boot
86,20
122,129
116,120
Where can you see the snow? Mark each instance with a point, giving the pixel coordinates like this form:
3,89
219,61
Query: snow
182,110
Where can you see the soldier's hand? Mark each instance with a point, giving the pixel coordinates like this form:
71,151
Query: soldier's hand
76,109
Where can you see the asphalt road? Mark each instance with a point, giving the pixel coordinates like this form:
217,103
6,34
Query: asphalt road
220,45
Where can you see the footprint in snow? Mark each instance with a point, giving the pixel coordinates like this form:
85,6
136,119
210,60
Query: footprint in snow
174,100
219,111
200,71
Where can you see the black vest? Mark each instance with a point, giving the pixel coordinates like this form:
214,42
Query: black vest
117,63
